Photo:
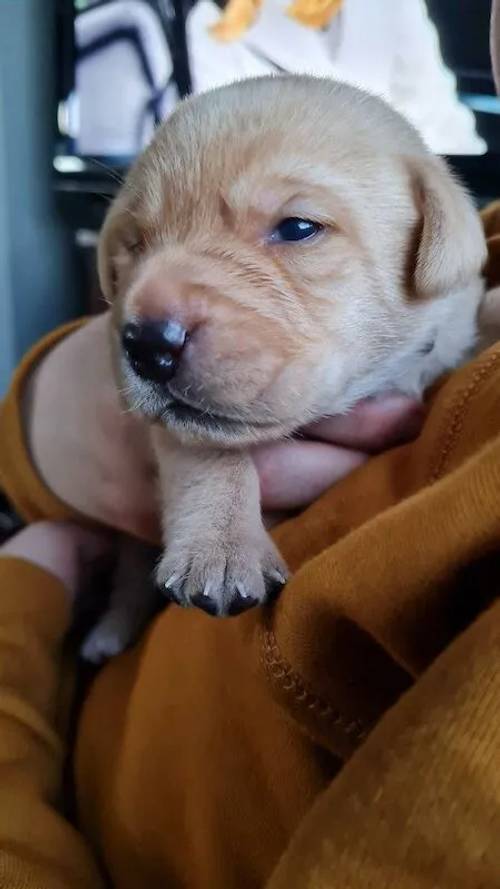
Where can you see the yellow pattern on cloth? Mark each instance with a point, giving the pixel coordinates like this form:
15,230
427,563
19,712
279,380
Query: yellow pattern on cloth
240,15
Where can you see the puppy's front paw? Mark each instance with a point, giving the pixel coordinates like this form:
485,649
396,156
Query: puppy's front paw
225,578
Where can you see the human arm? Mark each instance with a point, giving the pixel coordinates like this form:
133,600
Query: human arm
39,573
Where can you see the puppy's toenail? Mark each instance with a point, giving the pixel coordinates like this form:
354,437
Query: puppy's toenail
277,577
206,603
240,603
274,584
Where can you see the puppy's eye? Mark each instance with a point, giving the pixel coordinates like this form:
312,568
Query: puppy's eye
294,229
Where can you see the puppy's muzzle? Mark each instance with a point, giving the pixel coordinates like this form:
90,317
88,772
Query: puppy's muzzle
154,348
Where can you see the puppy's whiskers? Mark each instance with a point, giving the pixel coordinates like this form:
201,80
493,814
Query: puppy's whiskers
136,406
112,173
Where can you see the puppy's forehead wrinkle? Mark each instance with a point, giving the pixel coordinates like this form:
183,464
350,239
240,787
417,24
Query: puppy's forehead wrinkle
291,179
270,183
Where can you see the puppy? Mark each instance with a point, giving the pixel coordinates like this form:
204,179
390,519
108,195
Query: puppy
284,248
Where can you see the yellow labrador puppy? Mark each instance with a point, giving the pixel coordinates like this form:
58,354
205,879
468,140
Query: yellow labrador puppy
284,248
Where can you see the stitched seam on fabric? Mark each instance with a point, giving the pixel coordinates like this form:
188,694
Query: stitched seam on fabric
457,414
292,684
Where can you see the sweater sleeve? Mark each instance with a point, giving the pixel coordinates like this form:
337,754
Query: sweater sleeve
38,847
419,804
19,479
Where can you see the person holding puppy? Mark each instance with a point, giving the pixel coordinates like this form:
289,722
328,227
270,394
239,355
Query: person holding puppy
348,736
418,797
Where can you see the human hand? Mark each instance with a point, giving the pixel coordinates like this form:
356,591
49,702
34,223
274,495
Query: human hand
90,453
96,458
296,472
63,549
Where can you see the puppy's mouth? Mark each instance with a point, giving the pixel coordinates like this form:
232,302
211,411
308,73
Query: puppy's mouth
207,422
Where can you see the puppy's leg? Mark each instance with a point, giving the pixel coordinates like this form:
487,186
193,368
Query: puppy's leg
218,555
133,602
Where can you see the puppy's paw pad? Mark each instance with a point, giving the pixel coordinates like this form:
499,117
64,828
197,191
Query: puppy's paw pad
238,604
206,603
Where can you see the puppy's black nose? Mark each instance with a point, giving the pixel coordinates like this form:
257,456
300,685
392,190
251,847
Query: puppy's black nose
154,348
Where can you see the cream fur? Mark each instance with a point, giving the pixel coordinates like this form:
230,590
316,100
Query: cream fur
282,334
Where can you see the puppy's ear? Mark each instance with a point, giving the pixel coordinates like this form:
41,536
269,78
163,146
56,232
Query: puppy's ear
451,247
119,241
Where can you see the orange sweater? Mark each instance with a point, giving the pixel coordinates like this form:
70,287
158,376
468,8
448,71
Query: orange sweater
348,737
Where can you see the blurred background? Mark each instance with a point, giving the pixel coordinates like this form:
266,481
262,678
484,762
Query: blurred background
83,84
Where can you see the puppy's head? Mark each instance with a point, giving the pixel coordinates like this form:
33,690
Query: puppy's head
283,248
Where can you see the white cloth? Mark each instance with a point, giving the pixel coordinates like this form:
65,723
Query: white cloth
389,47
